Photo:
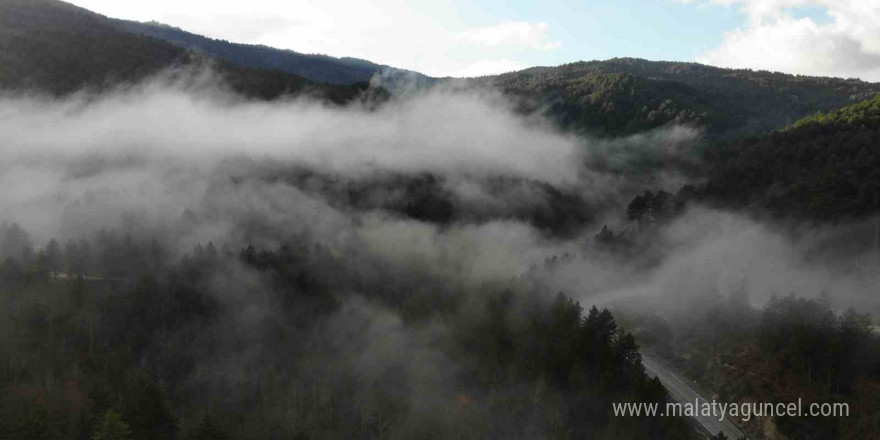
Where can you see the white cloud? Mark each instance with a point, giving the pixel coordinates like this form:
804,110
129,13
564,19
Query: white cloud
485,67
429,37
847,45
515,33
231,27
763,10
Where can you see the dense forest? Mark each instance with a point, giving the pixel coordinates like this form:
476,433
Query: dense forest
791,348
824,167
252,243
432,198
50,46
317,68
106,337
625,96
46,45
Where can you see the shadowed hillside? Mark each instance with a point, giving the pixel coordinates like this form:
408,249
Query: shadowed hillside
55,47
824,167
318,68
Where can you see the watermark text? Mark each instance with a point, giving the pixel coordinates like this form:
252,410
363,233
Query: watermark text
744,411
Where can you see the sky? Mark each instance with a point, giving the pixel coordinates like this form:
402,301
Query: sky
472,38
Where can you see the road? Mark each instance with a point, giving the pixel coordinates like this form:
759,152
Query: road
681,391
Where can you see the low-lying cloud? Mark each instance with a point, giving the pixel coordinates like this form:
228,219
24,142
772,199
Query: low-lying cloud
193,164
775,38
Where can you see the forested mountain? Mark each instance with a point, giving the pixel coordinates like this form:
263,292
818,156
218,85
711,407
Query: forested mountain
106,334
318,68
51,45
614,97
55,47
625,95
824,167
177,265
791,348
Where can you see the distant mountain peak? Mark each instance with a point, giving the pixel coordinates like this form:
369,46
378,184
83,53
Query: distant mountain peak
58,48
316,67
623,96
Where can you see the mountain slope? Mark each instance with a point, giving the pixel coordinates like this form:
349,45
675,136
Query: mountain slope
825,167
624,96
318,68
56,47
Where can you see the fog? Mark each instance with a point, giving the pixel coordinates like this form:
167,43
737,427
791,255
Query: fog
192,163
450,133
708,252
514,204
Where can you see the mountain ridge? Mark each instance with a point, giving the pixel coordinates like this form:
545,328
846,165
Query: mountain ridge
623,96
824,167
610,98
316,67
59,48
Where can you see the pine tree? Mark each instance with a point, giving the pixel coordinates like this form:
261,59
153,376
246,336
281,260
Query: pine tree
628,351
112,428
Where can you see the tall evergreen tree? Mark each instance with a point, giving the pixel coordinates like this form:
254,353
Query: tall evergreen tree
112,428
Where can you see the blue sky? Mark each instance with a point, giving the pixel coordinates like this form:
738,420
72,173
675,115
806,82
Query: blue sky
467,38
601,29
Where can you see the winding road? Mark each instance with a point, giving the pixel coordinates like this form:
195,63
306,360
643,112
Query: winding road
682,392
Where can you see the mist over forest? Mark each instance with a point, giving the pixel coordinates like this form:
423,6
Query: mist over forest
183,256
237,252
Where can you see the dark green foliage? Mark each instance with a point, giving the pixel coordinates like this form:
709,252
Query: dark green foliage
24,419
55,47
795,348
818,355
810,340
150,416
112,428
585,358
866,112
142,348
649,208
429,198
825,167
624,96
